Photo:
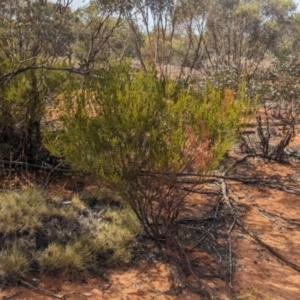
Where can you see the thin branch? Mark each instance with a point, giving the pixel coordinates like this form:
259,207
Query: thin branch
14,73
11,295
268,247
44,291
225,194
34,166
230,253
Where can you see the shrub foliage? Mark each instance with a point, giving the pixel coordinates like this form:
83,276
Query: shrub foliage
139,131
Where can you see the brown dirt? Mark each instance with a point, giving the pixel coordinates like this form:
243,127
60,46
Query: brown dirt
270,214
139,283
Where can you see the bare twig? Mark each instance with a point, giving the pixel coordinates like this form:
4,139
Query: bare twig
35,166
245,180
224,192
11,295
200,229
268,247
230,253
13,73
44,291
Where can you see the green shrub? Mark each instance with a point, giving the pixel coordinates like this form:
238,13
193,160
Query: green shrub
138,132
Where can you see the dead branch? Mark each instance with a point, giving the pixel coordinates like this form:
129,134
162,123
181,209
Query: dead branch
224,192
245,180
230,253
290,221
266,214
13,73
268,247
200,220
11,295
44,291
35,166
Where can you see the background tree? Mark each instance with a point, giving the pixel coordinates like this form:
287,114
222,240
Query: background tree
37,40
42,42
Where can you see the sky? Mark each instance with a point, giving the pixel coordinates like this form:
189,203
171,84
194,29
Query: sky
78,3
298,3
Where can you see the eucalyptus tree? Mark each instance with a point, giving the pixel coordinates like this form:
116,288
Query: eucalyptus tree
208,34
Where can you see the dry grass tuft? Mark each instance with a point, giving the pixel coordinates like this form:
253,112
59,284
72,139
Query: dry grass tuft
70,261
20,211
115,237
13,262
63,237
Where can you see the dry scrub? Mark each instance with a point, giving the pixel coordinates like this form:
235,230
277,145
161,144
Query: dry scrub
53,235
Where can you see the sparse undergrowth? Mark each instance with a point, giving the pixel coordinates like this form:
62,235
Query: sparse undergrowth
53,236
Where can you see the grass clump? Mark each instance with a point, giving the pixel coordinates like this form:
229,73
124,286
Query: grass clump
115,237
124,218
77,204
21,211
14,262
56,236
110,246
71,260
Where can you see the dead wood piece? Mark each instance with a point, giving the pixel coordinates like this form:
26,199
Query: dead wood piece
225,194
32,166
243,159
199,191
267,214
271,217
268,247
230,253
44,291
11,295
201,220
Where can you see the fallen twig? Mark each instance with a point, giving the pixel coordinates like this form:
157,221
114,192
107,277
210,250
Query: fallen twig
35,166
268,247
247,180
266,214
11,295
44,291
270,217
230,253
224,192
199,220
